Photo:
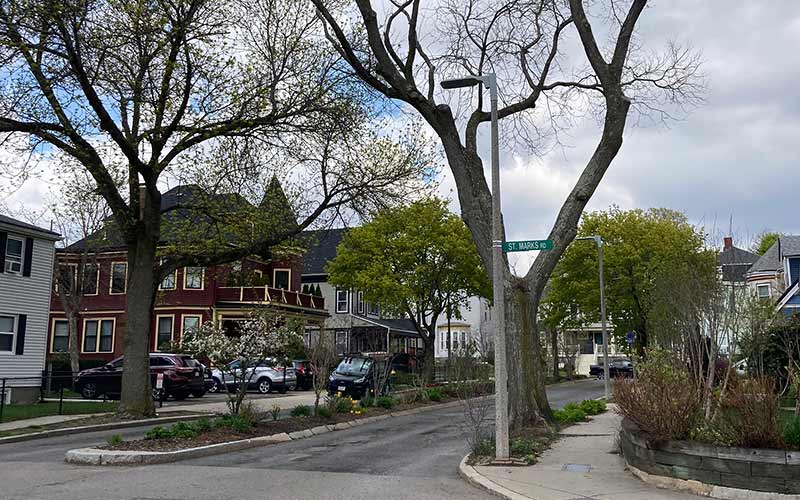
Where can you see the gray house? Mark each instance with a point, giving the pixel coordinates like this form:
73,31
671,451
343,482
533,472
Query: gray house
354,324
26,273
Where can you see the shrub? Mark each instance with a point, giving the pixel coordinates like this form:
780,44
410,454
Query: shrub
236,423
663,400
716,433
593,406
385,402
184,430
301,411
114,439
484,448
753,413
324,412
275,412
434,394
344,405
571,414
203,424
158,432
522,447
791,433
367,402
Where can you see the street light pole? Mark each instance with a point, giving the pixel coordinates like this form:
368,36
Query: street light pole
498,274
603,323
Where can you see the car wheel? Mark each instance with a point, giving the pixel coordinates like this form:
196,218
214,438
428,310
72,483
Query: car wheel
265,386
89,391
216,386
198,394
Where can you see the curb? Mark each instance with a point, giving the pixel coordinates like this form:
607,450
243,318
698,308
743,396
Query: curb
98,427
96,456
477,479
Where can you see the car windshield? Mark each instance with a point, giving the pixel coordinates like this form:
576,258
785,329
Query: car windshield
354,366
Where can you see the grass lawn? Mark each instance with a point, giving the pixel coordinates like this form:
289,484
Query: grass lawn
20,412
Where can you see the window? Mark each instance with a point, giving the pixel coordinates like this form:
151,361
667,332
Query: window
170,281
98,335
8,329
119,277
60,336
763,291
463,339
67,275
163,331
160,361
90,279
193,278
360,302
373,309
281,278
14,248
190,323
341,301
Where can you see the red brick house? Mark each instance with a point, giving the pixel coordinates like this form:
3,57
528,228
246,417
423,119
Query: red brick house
187,298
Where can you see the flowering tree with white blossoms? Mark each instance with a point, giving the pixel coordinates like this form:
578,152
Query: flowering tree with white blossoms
236,354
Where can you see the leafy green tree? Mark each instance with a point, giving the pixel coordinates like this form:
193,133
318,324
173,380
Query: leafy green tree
641,248
412,261
764,241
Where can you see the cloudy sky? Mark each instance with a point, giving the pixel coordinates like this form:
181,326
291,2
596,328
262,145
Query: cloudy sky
735,156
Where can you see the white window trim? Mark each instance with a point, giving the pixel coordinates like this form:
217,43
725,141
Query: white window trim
15,326
74,267
258,272
174,281
346,301
21,255
202,278
53,336
183,322
97,340
360,302
171,330
111,279
275,273
769,290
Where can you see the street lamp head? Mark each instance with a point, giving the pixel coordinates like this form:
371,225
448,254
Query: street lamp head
456,83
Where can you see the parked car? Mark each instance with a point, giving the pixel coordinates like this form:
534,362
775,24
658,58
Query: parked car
616,368
355,375
305,374
268,376
183,375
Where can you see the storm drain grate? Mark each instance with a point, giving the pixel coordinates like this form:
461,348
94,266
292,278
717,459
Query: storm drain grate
577,468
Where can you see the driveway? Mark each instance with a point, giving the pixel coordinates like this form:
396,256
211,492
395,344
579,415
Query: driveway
404,457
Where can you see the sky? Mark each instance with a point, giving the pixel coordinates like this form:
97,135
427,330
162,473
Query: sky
730,163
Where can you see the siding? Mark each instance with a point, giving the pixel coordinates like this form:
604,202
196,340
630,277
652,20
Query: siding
31,296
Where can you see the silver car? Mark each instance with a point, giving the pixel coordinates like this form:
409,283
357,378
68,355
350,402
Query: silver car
269,376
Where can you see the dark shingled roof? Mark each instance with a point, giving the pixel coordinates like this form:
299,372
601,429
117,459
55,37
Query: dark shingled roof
735,262
321,245
771,260
30,227
174,217
403,325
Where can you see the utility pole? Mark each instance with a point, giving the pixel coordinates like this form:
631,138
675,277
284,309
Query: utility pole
498,271
603,322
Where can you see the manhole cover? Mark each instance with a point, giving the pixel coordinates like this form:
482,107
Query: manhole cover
577,468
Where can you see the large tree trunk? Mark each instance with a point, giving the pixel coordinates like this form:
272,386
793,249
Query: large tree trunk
136,400
73,347
429,358
554,350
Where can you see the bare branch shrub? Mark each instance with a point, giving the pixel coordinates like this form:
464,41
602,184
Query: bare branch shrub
753,410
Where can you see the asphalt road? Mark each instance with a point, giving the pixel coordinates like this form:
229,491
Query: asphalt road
405,457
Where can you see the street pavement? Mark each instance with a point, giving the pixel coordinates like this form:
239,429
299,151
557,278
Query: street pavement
404,457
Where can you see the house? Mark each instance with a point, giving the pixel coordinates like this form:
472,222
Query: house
474,327
26,272
186,298
775,274
355,325
734,262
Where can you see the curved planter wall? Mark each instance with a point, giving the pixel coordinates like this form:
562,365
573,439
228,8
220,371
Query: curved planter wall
774,471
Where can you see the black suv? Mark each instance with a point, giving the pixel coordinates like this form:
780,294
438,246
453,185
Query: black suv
182,374
356,373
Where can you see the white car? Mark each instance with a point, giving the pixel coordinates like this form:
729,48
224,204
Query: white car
268,377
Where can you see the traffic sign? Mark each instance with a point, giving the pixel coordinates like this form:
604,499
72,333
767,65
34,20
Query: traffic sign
630,337
527,246
160,381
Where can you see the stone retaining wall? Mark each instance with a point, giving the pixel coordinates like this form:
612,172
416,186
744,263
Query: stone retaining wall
757,469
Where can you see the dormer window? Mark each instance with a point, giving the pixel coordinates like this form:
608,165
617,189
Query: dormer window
763,291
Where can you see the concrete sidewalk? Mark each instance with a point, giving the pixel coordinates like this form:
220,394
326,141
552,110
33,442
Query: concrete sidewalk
582,464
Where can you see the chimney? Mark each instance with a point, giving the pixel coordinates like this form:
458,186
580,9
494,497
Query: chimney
728,243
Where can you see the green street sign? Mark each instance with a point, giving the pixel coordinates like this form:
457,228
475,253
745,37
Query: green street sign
527,246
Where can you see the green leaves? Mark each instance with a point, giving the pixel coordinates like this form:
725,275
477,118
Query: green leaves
413,260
